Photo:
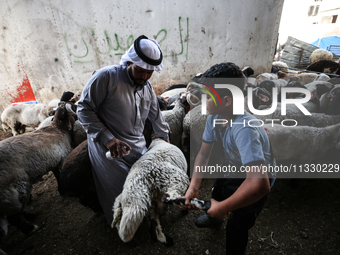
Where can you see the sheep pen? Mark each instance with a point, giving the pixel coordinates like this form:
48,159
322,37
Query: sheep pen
300,220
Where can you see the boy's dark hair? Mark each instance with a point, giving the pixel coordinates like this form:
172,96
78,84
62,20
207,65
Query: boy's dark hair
231,73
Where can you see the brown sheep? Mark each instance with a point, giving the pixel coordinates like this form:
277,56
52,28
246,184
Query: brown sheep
325,66
303,78
160,88
26,158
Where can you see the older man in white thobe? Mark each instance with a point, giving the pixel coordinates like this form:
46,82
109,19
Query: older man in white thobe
113,108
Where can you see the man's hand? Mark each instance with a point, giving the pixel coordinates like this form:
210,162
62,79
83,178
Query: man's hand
215,210
191,193
117,147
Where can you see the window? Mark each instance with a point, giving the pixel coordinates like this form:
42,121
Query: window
329,19
334,18
326,19
313,10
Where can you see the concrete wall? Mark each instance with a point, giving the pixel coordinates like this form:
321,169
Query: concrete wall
58,44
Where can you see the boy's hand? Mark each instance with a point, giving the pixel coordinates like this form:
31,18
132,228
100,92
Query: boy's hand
215,211
191,193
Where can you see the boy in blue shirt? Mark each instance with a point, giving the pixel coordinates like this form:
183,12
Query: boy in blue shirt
247,147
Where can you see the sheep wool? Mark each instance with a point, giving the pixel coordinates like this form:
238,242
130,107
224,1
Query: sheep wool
296,117
174,118
25,158
304,144
320,54
265,76
17,117
161,170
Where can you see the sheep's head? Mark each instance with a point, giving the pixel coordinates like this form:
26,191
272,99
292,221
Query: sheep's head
294,83
126,219
163,104
194,93
64,118
261,97
268,85
117,216
281,75
335,91
76,96
184,102
321,89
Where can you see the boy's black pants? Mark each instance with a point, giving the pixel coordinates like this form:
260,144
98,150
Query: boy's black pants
240,220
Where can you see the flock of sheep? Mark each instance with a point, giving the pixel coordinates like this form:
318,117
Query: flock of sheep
59,145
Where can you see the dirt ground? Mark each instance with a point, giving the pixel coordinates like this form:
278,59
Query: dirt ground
299,219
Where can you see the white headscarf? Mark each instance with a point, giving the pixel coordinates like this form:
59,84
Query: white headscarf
150,48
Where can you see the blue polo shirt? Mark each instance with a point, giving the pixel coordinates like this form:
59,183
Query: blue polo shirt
245,141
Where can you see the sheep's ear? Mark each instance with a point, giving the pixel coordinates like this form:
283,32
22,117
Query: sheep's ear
117,216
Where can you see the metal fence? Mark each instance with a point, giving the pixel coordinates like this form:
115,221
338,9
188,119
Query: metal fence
296,53
335,49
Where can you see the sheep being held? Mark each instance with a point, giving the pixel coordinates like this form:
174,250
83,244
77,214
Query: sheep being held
161,170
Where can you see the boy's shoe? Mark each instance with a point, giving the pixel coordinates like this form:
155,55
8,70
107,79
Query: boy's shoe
206,221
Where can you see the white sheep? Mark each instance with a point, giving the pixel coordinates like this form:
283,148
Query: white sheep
161,170
265,76
320,54
311,106
174,118
280,63
46,122
194,124
322,77
296,117
18,117
26,158
54,102
302,144
193,128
